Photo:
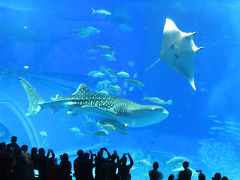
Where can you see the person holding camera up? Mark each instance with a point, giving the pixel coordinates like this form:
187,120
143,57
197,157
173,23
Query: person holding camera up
124,169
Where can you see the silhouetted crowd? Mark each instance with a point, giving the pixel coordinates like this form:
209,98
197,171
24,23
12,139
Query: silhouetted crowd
17,164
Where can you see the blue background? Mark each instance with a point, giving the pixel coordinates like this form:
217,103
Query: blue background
59,60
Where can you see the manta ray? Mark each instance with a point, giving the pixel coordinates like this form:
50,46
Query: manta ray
178,51
119,109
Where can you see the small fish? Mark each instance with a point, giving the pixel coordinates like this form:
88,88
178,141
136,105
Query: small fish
43,133
108,127
115,89
101,11
108,71
131,63
125,84
233,123
134,82
80,134
216,128
99,133
98,75
125,27
217,121
103,92
157,100
109,57
131,88
233,128
75,129
123,74
213,116
135,75
103,84
91,73
85,32
114,80
103,47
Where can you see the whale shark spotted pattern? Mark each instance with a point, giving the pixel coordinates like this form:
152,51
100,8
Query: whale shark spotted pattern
111,107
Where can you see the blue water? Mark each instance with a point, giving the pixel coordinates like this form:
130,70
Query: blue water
38,41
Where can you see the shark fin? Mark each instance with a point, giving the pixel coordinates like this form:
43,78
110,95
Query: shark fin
57,98
82,89
35,100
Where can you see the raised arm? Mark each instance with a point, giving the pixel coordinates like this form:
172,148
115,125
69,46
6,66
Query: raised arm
131,160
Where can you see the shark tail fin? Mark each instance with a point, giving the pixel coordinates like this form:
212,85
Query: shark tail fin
152,65
33,96
93,10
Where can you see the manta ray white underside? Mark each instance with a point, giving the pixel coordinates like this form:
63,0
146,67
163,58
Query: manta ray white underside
178,51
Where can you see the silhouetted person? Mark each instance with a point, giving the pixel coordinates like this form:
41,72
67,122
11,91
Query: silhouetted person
124,169
155,174
65,167
13,145
28,172
217,176
112,166
42,164
201,176
5,162
78,165
186,173
19,165
171,177
100,165
88,166
224,178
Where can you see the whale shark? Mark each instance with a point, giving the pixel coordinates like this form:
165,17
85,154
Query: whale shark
116,108
178,51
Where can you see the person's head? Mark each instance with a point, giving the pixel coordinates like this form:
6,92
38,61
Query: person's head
217,176
14,139
41,152
185,164
80,153
201,176
224,178
24,148
100,154
155,165
171,177
34,151
64,157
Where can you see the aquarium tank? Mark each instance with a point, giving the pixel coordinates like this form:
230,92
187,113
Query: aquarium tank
154,78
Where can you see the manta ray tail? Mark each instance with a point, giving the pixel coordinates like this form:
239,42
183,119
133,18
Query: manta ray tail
33,96
152,65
